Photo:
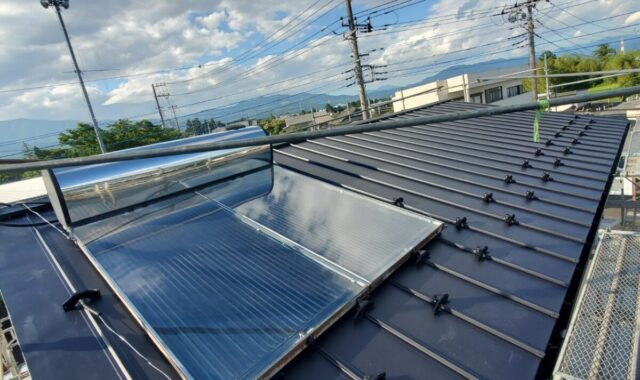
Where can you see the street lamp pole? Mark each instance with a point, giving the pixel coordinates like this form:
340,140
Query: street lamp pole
65,4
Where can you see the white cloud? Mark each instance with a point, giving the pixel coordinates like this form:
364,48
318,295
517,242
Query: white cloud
133,37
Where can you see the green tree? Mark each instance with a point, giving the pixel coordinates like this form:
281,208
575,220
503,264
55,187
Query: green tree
125,134
329,108
81,141
272,125
603,52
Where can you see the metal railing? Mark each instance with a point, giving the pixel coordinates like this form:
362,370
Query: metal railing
20,166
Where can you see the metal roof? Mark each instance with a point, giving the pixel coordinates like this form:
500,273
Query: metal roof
503,303
520,219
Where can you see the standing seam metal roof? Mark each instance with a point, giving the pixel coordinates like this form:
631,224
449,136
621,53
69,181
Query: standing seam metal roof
520,218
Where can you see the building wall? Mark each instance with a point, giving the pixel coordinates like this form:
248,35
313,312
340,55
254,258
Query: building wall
454,89
429,93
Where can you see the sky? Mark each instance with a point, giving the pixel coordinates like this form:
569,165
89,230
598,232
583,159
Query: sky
213,53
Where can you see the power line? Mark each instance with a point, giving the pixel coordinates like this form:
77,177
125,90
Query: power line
248,54
184,68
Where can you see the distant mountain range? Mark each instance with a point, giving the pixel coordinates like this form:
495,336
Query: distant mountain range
42,133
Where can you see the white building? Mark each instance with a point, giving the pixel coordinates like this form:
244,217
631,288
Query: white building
465,87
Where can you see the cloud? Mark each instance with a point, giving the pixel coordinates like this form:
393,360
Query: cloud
133,37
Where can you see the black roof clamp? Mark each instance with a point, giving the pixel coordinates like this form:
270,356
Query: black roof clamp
482,253
72,302
575,142
362,307
591,121
566,151
538,152
557,162
548,142
582,133
439,302
461,223
546,177
565,127
530,195
573,121
510,219
398,202
488,197
421,256
558,134
526,164
509,179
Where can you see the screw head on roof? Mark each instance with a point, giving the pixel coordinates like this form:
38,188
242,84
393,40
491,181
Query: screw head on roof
530,195
526,164
538,152
509,179
548,142
488,197
546,177
558,134
575,142
565,127
566,150
582,133
557,162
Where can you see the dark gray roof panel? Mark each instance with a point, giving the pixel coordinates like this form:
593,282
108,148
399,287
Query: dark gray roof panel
503,302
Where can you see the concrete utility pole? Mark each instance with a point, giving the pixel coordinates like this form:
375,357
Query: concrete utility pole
532,47
546,77
155,96
357,68
65,4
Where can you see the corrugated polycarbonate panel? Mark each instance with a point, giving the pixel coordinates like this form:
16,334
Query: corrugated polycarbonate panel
228,279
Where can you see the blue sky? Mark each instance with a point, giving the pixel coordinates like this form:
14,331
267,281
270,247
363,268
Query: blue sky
146,42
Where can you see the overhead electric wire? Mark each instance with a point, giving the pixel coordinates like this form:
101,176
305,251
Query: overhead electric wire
263,87
574,16
138,74
252,55
610,17
182,68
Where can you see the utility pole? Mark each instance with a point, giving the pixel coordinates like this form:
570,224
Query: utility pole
532,47
546,76
175,116
357,68
65,4
155,96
